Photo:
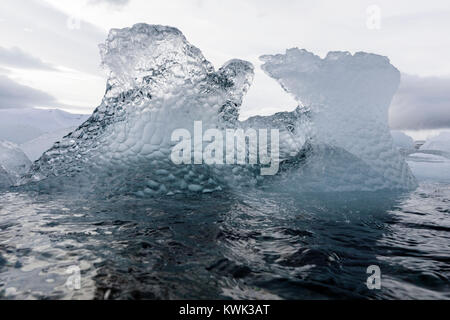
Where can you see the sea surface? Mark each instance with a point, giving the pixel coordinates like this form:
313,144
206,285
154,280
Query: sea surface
258,244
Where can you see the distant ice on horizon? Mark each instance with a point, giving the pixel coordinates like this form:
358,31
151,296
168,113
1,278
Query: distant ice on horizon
22,125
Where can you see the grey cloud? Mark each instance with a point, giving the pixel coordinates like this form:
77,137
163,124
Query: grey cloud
421,103
15,95
52,38
16,57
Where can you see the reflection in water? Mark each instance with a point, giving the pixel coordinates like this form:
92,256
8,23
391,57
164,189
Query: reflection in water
253,245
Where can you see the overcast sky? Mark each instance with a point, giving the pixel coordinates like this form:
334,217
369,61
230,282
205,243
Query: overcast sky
49,55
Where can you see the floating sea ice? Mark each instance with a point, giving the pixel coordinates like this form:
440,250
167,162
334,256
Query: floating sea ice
348,98
13,163
338,139
158,82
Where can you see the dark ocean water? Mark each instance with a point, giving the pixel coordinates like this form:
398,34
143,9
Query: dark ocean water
252,245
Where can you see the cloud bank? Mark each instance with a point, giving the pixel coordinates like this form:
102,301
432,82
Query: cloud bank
421,103
15,95
17,58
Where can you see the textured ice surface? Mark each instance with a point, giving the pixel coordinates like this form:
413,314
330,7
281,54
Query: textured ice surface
402,140
158,82
348,97
13,163
292,128
5,178
432,161
430,167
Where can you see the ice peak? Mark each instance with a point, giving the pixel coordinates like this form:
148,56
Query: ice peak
150,55
338,76
158,83
235,76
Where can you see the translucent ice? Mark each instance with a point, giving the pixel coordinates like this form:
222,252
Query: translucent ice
5,178
158,82
13,163
348,97
337,139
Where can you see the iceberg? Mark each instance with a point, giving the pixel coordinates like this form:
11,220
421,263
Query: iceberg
13,163
5,179
430,167
440,142
432,161
336,140
402,140
158,82
347,98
